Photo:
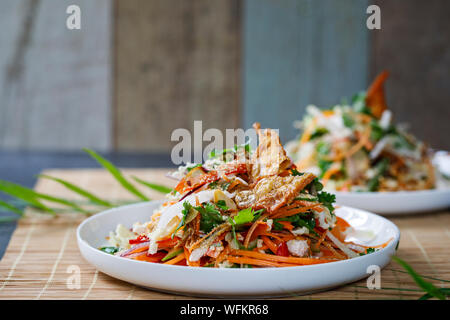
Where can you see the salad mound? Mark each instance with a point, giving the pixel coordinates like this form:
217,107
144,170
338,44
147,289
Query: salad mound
356,147
241,209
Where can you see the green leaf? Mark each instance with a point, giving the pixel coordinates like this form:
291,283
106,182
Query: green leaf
210,217
318,133
117,174
156,187
79,190
187,208
172,254
110,250
295,172
63,202
10,207
244,216
327,199
23,193
425,285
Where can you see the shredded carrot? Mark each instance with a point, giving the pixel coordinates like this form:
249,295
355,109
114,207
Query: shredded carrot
252,229
257,262
272,246
177,259
271,257
286,224
290,212
308,132
335,168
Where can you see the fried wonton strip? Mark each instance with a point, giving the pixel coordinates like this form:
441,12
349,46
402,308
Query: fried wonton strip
270,157
375,99
271,193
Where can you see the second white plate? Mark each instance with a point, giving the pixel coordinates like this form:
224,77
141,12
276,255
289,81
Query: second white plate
400,202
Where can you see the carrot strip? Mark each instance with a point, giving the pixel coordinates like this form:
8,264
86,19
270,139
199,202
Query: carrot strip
256,262
272,246
252,229
175,260
286,224
271,257
288,213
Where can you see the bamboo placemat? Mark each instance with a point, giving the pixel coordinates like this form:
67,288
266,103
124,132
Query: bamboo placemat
42,251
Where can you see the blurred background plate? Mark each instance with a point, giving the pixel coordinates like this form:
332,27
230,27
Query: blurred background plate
395,203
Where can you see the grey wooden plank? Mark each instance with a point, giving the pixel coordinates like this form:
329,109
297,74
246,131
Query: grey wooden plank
298,53
413,44
55,87
176,62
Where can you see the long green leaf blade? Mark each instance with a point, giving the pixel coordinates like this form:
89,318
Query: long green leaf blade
79,190
156,187
10,207
425,285
23,193
62,201
116,173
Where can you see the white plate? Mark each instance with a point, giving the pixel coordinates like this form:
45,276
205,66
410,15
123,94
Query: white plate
400,202
234,282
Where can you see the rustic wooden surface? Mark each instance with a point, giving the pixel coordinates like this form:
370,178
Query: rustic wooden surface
414,45
55,83
176,62
41,250
298,53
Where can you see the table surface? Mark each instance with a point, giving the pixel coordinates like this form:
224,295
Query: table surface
43,251
22,167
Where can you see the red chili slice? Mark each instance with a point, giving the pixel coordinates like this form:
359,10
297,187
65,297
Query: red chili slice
282,250
139,239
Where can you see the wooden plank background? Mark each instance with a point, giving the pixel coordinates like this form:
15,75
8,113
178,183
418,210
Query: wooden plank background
298,53
55,90
140,68
414,44
176,62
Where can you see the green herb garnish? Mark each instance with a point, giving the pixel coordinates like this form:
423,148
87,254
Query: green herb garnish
110,250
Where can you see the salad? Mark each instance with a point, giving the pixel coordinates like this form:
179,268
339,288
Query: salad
356,147
241,209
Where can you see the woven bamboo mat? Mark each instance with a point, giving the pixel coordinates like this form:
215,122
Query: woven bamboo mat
42,253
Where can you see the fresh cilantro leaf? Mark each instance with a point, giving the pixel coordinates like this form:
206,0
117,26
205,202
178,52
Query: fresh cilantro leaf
210,217
314,186
221,205
318,133
299,220
368,250
213,185
110,250
257,214
359,103
348,120
324,165
327,199
323,148
295,172
380,169
186,209
377,132
243,216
